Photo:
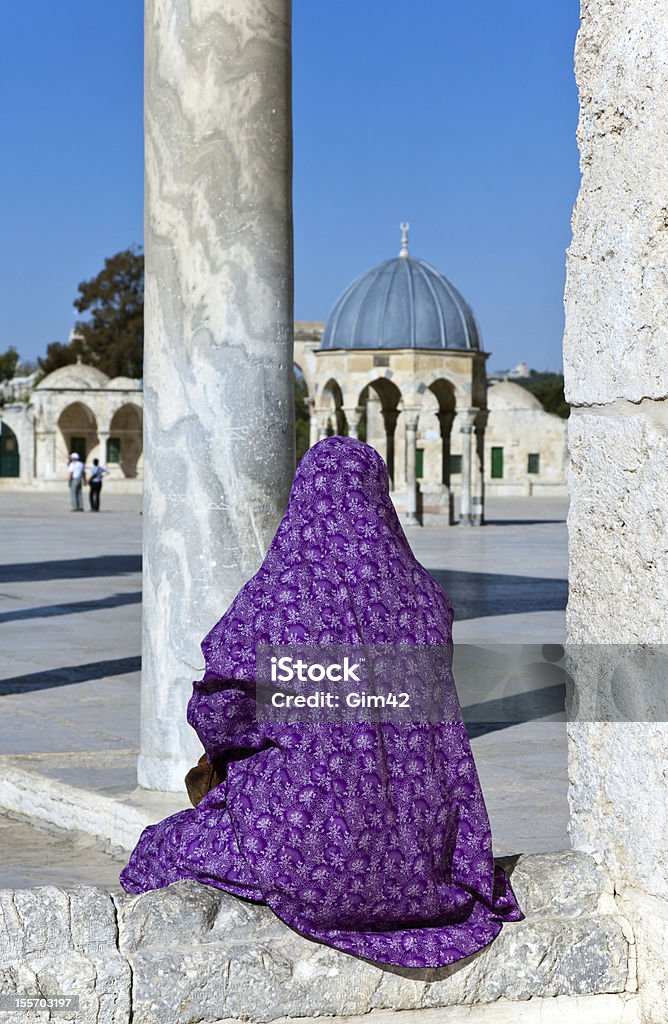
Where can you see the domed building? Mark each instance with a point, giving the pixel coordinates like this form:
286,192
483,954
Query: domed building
401,363
75,408
402,303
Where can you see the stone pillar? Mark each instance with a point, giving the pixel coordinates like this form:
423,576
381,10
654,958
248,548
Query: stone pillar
102,437
322,420
466,417
411,423
478,473
445,421
218,374
399,436
51,467
616,372
375,428
390,417
28,460
353,416
313,430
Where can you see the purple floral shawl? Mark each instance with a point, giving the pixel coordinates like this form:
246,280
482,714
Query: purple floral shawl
371,837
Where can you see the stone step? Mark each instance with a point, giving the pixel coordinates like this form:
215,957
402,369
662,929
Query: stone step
32,786
191,953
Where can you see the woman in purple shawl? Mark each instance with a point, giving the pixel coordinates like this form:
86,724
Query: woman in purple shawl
370,837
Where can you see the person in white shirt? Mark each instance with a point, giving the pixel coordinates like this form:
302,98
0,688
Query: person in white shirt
76,477
95,485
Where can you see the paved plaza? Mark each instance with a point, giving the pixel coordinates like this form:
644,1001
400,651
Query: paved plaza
70,616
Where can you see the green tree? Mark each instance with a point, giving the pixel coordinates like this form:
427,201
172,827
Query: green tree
549,390
58,355
9,360
113,338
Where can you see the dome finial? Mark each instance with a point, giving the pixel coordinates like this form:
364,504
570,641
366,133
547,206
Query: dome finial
404,228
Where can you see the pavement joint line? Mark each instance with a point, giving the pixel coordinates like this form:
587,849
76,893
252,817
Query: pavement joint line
134,751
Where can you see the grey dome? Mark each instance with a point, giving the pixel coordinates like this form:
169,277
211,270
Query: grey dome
401,303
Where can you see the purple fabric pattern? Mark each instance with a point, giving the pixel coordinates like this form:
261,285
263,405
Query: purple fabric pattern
370,837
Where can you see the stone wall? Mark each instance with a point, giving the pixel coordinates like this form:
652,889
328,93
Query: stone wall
616,371
518,432
19,420
190,953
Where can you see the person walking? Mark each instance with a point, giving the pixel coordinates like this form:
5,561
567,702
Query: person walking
76,477
95,485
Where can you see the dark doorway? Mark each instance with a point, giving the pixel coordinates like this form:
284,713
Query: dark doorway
9,451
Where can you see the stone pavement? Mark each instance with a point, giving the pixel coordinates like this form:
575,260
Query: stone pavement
32,856
70,591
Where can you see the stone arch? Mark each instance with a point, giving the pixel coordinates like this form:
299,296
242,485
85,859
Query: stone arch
445,392
380,399
10,462
77,431
299,374
332,419
124,444
430,379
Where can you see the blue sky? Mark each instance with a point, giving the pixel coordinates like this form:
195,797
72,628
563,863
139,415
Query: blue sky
457,117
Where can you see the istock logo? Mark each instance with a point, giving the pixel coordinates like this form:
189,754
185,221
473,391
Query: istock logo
330,682
284,670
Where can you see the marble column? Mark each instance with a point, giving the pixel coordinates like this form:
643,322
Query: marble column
390,417
411,425
353,416
313,430
399,439
478,472
51,440
218,372
445,421
102,438
323,422
466,417
375,427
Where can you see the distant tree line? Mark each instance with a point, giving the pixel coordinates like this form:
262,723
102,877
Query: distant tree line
549,390
9,362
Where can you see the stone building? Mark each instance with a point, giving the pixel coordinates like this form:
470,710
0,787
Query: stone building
401,357
75,408
384,394
525,446
400,363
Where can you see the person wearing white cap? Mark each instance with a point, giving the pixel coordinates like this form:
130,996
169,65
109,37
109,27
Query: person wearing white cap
76,476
